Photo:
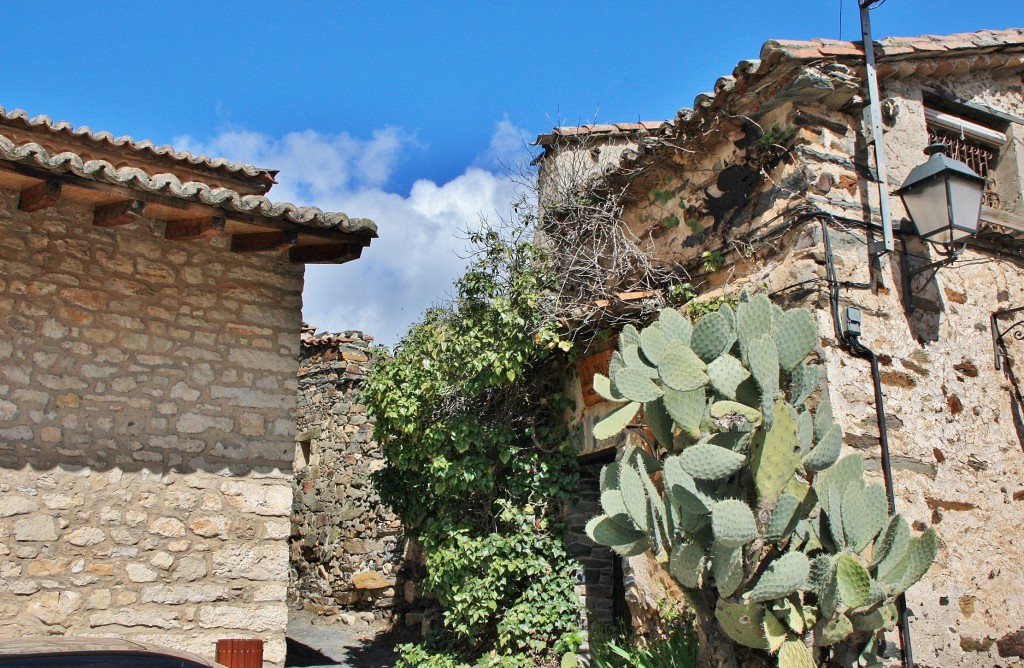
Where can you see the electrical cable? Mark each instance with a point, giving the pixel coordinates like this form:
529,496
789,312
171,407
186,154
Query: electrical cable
852,343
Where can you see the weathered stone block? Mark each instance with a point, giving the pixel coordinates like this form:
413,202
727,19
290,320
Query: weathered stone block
38,528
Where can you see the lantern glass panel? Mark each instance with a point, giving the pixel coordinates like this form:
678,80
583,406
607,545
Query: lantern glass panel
967,196
926,204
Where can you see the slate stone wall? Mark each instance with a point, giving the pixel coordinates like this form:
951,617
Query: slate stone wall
346,546
147,393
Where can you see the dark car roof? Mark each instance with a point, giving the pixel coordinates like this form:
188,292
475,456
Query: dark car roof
65,647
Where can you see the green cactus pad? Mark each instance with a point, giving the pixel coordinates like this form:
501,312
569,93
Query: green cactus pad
726,373
823,417
634,360
634,496
763,360
845,471
774,632
826,452
919,558
653,343
784,576
784,518
659,421
803,381
675,326
721,409
853,581
635,385
733,524
753,320
686,564
615,364
775,455
603,386
610,477
835,515
797,336
705,461
737,441
612,503
743,622
616,421
881,618
727,567
712,335
629,336
681,370
613,530
833,630
891,546
794,654
865,511
805,431
683,488
686,409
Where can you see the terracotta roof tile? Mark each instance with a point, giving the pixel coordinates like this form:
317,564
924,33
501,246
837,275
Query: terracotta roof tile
67,162
19,117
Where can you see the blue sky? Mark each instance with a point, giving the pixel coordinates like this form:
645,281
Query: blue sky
402,111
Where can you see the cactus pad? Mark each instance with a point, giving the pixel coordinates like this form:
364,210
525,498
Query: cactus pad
753,319
675,326
742,622
616,421
763,359
726,373
686,564
794,654
721,409
775,455
635,385
683,488
653,343
634,360
680,369
629,336
706,461
797,336
865,511
603,386
712,336
660,422
686,409
733,523
853,581
727,567
783,577
783,519
803,381
827,450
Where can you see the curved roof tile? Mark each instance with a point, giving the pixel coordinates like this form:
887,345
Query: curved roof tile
100,170
20,116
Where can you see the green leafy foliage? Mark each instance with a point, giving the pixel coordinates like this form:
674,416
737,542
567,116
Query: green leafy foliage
758,519
469,413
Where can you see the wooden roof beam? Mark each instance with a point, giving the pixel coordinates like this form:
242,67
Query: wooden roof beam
118,213
194,228
326,253
40,196
262,242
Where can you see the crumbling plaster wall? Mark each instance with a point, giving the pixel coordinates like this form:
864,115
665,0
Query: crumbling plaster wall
957,449
147,394
346,545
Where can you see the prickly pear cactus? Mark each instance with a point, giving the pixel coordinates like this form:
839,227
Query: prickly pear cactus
755,509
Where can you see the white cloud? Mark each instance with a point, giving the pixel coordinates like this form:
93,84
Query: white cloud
421,248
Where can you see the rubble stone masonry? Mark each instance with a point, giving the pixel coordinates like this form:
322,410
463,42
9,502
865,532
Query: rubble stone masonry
346,548
147,390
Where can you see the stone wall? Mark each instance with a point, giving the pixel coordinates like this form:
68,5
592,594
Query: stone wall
147,391
346,546
954,420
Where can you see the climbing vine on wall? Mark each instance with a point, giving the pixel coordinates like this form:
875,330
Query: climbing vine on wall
470,415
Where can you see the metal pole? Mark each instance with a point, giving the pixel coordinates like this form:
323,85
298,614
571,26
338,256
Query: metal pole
877,138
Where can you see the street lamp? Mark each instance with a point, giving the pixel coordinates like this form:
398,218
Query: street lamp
943,197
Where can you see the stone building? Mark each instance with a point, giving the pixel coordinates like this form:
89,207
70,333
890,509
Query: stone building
737,192
149,305
346,546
